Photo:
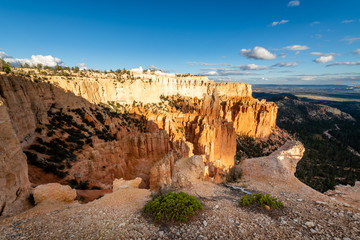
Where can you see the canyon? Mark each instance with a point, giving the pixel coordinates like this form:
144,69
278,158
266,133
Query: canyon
91,128
75,152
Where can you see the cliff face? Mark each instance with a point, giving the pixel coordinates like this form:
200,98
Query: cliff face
140,90
28,102
64,132
149,90
14,182
129,157
250,116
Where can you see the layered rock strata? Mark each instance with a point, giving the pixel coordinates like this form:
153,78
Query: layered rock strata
14,182
146,90
65,131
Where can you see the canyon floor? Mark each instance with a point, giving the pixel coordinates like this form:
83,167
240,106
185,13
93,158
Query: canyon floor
307,214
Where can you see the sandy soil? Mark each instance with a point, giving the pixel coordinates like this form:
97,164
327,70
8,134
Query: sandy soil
118,216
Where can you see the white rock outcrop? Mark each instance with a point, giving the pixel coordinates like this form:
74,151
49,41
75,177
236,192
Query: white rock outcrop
54,192
119,184
187,171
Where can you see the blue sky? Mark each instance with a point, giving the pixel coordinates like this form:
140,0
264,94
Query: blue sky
284,42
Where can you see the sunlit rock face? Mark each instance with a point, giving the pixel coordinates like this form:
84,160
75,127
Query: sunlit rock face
14,182
145,139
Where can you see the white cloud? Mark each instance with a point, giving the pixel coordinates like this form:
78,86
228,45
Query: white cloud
324,59
273,24
347,21
225,72
211,73
82,66
350,40
296,47
258,53
251,67
316,53
285,64
308,78
339,78
357,51
4,55
153,67
344,63
230,67
314,23
207,64
317,36
234,71
294,3
324,54
33,61
282,55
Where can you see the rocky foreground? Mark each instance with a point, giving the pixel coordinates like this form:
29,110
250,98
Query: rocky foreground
307,214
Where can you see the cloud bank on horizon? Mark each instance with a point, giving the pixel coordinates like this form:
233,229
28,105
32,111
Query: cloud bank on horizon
33,61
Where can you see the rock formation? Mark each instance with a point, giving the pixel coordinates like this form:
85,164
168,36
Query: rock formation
98,127
53,193
119,184
348,195
146,88
188,171
14,182
276,171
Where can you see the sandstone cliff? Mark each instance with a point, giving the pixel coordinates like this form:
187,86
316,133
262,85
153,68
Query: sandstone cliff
14,182
84,127
145,88
29,101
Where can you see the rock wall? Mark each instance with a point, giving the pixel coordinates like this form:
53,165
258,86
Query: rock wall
14,182
129,157
146,90
28,102
250,116
207,124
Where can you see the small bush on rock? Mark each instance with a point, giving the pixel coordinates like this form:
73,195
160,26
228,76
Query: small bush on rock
173,206
261,200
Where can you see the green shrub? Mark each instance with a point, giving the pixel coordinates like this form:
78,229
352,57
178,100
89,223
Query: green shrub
173,206
261,200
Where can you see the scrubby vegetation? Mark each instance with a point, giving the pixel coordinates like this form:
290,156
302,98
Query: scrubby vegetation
260,200
328,160
249,147
4,66
69,131
172,207
82,185
43,73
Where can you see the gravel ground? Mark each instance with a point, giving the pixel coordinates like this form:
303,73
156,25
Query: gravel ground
118,216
